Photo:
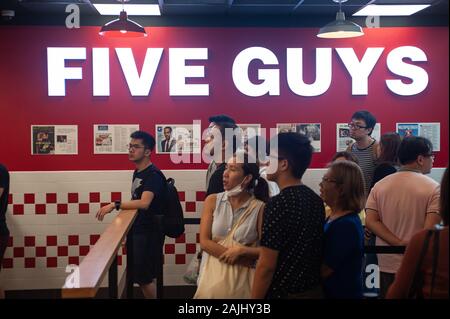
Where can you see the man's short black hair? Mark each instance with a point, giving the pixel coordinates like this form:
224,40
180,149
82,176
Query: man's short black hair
222,118
168,127
224,122
297,149
413,146
147,139
367,117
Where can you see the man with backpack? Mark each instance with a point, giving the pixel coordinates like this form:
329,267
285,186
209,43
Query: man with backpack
149,194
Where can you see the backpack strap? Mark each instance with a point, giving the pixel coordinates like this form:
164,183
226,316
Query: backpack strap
416,287
160,174
165,181
435,259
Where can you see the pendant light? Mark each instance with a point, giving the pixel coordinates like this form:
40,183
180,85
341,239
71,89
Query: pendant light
340,28
122,27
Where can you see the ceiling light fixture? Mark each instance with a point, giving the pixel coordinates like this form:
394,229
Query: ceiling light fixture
111,9
340,28
390,10
122,27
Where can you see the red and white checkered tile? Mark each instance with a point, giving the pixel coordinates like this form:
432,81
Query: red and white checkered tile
52,223
51,251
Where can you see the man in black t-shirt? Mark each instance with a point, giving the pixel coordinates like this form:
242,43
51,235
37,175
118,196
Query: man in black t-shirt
4,232
148,193
291,245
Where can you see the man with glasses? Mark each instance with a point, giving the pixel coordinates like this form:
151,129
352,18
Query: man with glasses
148,195
402,204
365,147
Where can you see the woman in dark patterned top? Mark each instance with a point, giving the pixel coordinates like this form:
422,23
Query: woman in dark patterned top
291,244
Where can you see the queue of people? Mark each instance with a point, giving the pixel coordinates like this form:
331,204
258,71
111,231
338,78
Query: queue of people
313,247
265,234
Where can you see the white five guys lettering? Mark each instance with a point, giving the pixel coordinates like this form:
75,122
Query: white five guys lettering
140,81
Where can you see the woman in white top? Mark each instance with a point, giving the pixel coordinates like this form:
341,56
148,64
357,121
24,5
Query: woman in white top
244,196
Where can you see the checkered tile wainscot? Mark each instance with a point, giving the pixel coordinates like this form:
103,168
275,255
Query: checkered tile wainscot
51,217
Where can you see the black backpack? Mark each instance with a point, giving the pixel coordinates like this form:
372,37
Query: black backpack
173,220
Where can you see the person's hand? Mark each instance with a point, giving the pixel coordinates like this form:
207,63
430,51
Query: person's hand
231,255
104,210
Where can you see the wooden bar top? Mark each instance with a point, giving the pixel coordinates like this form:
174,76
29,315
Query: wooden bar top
96,264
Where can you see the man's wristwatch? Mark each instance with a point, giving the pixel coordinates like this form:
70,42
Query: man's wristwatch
117,204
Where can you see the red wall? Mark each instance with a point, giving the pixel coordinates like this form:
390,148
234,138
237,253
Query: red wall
24,100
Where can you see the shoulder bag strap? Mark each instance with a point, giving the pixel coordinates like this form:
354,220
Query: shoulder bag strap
417,282
435,259
243,217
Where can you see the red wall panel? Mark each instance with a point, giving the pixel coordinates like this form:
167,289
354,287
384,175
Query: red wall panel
24,100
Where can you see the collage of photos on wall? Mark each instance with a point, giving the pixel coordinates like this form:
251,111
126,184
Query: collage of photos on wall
178,138
186,138
113,139
429,130
311,130
249,131
54,140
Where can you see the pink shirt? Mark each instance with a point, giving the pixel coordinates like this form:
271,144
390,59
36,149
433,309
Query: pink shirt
402,201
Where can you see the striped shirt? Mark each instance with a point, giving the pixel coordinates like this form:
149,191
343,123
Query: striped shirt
367,163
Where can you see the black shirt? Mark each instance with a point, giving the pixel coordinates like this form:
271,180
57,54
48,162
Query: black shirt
216,182
4,183
381,171
148,180
293,225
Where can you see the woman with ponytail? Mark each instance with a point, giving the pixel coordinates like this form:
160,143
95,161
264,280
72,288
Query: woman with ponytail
234,215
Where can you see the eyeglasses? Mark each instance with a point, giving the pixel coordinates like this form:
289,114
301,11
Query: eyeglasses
355,126
135,146
329,180
432,156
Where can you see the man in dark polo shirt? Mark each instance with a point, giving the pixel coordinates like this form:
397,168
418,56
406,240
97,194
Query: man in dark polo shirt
4,232
148,192
292,236
216,121
221,139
